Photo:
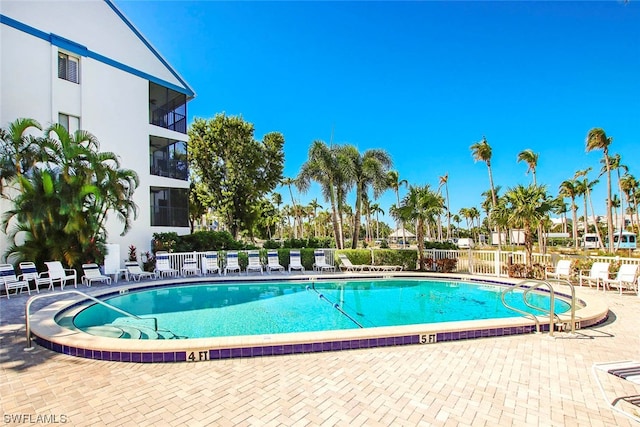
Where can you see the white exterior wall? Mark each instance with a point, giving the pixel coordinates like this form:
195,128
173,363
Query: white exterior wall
112,103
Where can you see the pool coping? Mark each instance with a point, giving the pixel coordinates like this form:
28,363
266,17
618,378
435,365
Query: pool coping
77,343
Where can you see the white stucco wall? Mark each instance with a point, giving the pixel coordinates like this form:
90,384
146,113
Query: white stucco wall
113,104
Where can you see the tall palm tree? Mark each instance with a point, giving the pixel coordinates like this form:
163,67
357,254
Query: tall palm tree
481,151
531,159
394,182
615,163
526,208
366,170
289,182
322,167
597,139
375,210
444,181
568,188
277,199
584,188
421,205
629,186
314,205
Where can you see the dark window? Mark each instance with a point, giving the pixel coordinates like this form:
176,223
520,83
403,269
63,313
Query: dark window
168,158
68,67
169,207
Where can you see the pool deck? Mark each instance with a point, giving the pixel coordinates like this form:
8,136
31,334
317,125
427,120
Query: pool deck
511,380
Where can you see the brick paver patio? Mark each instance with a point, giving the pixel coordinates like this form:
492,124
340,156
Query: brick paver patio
531,380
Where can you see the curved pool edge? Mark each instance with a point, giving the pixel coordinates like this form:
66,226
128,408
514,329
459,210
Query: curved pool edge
77,343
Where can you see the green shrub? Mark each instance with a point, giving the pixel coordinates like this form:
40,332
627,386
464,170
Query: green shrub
408,259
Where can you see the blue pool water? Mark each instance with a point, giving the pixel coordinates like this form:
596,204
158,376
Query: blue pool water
214,310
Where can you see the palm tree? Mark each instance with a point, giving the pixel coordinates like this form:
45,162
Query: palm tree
597,139
568,188
444,180
277,199
531,159
376,209
19,151
394,182
322,167
584,188
289,182
526,208
629,187
421,205
314,205
366,170
481,151
615,163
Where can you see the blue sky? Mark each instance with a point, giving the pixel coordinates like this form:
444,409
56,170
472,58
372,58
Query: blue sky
422,80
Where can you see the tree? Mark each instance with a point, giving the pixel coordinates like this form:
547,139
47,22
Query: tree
314,206
597,139
394,182
322,166
629,186
444,181
366,170
584,188
65,189
531,159
481,151
568,188
615,163
526,208
423,206
236,169
296,218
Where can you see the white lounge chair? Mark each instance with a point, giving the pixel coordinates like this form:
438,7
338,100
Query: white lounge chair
190,267
320,263
295,261
210,262
163,267
57,273
562,270
232,263
30,274
346,265
385,267
8,277
273,262
626,370
92,274
597,274
626,278
136,273
254,262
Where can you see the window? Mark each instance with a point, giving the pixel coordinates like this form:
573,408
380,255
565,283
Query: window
70,123
68,67
169,207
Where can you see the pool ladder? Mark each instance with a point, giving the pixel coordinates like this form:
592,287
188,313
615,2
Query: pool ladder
109,306
534,285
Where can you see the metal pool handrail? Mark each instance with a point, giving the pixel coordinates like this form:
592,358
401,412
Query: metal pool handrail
109,306
552,315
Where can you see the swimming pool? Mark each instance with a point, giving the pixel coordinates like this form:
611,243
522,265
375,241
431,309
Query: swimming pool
70,340
219,310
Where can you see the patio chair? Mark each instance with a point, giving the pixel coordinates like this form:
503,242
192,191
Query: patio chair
627,277
210,262
385,267
273,262
190,267
626,370
8,277
346,265
163,267
320,263
136,273
599,272
562,270
57,273
254,262
295,261
92,274
30,274
232,263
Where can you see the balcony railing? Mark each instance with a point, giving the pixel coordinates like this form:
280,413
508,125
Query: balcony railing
169,119
176,169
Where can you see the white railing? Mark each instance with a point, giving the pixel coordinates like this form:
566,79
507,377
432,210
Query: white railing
480,262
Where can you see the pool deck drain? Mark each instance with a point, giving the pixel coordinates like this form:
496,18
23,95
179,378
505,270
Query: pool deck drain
512,380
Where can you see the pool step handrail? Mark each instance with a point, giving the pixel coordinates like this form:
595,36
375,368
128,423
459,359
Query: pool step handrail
553,318
73,291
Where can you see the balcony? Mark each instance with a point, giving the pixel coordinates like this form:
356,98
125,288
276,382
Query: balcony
169,207
167,108
168,158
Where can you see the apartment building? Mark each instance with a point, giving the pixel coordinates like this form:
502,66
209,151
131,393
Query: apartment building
85,65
